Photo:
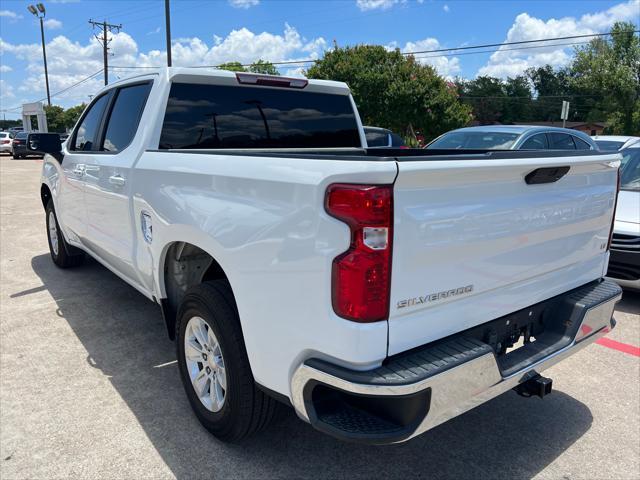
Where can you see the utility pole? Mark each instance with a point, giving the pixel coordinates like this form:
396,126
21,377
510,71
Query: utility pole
167,18
106,29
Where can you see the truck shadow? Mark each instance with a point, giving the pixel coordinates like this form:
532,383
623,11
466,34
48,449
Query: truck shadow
124,334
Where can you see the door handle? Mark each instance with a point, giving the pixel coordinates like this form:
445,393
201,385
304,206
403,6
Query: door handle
117,180
78,170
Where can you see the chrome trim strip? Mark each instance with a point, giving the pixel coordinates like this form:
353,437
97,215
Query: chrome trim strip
466,386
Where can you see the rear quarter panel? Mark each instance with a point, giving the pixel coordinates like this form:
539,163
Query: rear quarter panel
263,220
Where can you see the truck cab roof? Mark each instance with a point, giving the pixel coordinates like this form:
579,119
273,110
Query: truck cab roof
216,76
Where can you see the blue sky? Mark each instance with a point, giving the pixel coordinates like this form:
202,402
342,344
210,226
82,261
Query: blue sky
211,32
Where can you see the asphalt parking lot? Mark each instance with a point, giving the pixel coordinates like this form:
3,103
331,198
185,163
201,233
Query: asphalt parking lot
89,389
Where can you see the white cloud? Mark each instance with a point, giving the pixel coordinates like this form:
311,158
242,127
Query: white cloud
71,61
507,62
446,8
243,3
445,66
6,92
375,4
52,24
11,15
5,68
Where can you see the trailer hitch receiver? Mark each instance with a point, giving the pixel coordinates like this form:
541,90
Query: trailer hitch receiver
537,386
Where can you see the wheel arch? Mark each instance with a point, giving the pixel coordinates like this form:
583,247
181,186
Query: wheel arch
183,265
45,194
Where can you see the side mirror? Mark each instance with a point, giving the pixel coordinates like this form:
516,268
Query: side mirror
45,143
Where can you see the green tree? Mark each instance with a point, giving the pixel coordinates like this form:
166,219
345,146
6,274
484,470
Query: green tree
55,118
232,67
518,105
394,91
607,71
262,66
72,114
486,96
551,86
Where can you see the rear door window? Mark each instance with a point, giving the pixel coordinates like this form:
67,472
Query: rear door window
581,144
217,116
561,141
537,142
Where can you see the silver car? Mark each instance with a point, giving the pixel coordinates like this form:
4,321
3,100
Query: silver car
513,137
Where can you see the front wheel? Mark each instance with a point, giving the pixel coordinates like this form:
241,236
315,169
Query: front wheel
214,367
62,254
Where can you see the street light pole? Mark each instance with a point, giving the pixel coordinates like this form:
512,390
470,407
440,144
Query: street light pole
44,56
34,10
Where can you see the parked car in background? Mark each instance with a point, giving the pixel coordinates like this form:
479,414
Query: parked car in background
513,137
19,146
614,142
382,137
15,130
5,142
624,262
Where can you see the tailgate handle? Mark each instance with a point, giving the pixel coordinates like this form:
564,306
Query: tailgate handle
546,175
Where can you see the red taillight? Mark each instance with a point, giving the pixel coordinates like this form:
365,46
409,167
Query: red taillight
615,206
6,141
361,276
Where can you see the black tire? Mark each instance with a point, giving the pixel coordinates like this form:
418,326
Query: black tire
66,256
246,409
17,157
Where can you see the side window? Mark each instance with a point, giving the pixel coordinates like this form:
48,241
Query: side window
537,142
125,115
85,137
581,144
561,141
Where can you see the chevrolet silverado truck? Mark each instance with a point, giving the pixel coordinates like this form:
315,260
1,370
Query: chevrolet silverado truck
379,292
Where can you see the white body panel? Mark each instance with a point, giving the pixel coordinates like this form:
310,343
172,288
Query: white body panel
476,223
262,219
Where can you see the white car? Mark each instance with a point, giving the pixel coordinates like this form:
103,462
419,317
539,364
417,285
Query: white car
379,292
608,143
5,142
624,265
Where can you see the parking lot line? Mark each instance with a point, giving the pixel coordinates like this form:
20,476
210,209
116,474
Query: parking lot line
621,347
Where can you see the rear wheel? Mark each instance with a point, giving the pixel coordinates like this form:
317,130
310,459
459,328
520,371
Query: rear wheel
214,367
62,254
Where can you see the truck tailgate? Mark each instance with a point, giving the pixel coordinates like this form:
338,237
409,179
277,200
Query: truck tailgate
473,241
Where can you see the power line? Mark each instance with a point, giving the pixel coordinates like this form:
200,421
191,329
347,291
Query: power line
106,29
85,79
453,49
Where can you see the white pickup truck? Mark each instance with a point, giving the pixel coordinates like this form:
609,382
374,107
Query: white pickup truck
379,292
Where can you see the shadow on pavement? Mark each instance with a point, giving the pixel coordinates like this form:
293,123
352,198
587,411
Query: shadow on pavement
124,334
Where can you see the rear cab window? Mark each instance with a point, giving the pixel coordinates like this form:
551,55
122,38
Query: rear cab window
201,116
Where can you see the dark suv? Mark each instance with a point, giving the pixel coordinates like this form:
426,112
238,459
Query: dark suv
19,146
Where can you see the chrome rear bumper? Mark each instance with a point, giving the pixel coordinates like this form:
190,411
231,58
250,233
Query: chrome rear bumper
451,391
